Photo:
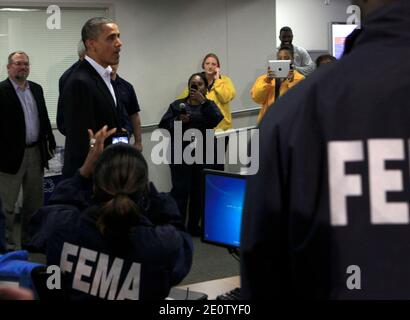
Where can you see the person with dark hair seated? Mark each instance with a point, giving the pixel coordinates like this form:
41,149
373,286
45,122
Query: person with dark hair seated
112,233
325,59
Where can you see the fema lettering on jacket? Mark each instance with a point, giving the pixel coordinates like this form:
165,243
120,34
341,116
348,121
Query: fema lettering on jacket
387,170
105,282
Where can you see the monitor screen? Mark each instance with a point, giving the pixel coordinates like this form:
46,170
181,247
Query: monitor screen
340,31
223,199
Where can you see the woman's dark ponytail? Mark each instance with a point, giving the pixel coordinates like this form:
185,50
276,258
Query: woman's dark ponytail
118,215
120,182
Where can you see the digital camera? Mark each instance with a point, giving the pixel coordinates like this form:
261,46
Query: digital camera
120,137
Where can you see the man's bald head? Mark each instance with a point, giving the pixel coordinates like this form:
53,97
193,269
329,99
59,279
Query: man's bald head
368,6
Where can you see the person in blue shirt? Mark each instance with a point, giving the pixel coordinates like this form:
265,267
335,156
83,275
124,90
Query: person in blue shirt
113,235
327,215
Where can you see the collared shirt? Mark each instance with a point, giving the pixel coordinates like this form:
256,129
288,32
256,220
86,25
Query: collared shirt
31,117
105,74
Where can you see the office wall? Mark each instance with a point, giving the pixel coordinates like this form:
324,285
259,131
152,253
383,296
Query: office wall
161,175
310,20
165,40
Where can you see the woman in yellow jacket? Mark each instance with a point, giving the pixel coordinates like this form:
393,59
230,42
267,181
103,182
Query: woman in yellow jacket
263,90
220,89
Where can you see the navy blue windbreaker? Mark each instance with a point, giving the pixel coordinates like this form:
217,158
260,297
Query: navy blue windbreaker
327,215
204,117
156,255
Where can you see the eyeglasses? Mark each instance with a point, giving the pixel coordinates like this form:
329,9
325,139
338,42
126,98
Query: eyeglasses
20,63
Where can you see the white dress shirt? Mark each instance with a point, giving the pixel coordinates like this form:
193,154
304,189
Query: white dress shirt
105,74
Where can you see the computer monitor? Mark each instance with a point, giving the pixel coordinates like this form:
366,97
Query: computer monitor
223,200
339,33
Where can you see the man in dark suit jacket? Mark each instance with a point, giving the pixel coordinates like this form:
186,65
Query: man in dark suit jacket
26,141
88,100
61,84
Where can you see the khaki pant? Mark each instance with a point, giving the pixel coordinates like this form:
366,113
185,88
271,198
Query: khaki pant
30,178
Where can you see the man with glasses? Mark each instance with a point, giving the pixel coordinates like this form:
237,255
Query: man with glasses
26,144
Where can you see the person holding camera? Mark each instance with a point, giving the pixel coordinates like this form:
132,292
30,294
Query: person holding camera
221,90
112,233
268,88
335,223
195,111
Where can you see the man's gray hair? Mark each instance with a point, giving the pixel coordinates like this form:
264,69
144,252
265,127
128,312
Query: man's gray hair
11,55
81,49
92,28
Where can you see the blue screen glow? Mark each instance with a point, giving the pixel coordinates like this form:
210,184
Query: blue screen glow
224,198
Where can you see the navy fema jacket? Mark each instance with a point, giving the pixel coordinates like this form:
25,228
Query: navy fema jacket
157,255
327,216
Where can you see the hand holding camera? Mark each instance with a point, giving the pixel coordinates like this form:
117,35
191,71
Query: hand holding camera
195,94
96,148
280,68
120,137
291,76
270,75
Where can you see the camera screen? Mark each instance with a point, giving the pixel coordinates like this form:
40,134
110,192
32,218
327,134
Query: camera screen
119,140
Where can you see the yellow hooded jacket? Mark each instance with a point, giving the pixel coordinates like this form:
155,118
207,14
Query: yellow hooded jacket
263,91
222,92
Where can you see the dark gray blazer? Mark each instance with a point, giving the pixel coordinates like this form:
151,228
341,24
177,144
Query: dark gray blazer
13,127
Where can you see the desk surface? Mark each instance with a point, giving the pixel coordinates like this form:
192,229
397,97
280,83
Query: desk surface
214,288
